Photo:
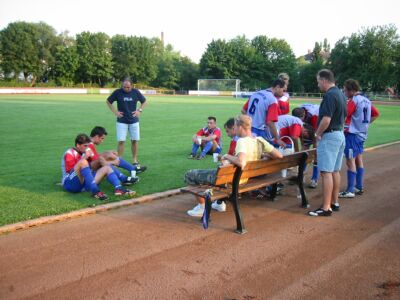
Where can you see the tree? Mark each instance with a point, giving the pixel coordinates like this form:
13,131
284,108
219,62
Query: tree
67,63
95,61
215,63
28,48
368,56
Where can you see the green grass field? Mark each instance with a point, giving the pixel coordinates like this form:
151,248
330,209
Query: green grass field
35,131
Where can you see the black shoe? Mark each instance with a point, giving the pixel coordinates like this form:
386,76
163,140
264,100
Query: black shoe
139,168
320,213
359,191
131,180
335,206
100,196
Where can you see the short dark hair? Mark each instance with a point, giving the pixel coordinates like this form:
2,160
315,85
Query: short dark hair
327,75
230,123
82,139
212,118
310,132
352,85
298,112
98,130
278,82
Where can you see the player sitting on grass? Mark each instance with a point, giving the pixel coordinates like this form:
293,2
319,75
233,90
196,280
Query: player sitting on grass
77,176
97,136
360,113
208,139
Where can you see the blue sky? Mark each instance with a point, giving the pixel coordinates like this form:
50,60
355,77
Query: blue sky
190,25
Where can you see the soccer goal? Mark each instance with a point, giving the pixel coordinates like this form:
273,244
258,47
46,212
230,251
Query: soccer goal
218,87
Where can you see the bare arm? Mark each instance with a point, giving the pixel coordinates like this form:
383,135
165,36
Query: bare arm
323,125
274,131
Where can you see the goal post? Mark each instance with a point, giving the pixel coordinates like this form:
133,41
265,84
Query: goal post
218,87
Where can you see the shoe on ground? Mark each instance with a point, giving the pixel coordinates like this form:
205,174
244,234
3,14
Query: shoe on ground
320,213
359,191
313,184
131,180
219,205
201,157
191,156
196,211
139,168
346,194
121,191
100,196
335,207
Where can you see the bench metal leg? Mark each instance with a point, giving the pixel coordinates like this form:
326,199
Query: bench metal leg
300,179
239,220
273,192
207,209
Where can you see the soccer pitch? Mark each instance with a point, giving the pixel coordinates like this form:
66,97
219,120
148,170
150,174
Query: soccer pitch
36,130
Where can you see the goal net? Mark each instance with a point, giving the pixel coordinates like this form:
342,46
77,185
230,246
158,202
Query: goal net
219,87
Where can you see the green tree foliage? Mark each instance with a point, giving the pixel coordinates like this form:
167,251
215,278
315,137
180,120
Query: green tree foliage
368,56
95,61
216,61
67,63
28,48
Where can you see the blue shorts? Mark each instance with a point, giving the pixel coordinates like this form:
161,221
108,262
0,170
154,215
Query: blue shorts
330,151
72,184
262,133
354,146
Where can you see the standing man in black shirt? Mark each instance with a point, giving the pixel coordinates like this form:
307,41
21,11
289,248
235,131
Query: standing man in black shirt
127,114
330,141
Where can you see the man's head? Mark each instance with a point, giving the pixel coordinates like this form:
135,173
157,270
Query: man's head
325,79
351,87
243,125
278,87
82,142
285,78
127,85
98,135
299,112
308,133
230,127
211,122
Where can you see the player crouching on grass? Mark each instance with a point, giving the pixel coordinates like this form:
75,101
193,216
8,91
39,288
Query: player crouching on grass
97,136
360,113
77,176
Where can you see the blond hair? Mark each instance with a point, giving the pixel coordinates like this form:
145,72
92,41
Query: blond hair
244,121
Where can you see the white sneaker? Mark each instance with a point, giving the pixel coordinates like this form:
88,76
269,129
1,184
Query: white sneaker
346,194
313,184
220,207
197,211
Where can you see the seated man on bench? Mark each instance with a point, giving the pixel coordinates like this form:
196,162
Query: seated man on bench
248,148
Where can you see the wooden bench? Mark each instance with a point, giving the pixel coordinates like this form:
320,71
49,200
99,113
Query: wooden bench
259,174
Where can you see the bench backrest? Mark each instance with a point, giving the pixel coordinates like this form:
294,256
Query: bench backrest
255,168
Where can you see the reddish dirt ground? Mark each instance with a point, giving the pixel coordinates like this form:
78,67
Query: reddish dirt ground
156,251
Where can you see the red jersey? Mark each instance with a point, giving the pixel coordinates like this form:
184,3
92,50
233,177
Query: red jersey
207,132
283,104
289,126
95,155
232,145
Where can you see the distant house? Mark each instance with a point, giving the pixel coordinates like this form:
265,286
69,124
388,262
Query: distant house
309,57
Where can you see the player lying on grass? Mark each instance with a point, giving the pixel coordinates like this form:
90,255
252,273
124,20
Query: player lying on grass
77,176
97,136
248,148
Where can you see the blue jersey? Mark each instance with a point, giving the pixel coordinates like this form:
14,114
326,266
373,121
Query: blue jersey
126,103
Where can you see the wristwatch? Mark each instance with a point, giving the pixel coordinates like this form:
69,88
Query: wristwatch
140,110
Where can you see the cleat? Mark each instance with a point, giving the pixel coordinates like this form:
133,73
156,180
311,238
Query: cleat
313,184
320,213
191,156
359,191
201,157
131,180
139,168
121,191
100,196
346,194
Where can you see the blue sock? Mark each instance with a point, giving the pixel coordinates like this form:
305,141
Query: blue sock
90,184
315,173
195,147
218,150
207,148
113,179
360,178
117,172
351,180
125,165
